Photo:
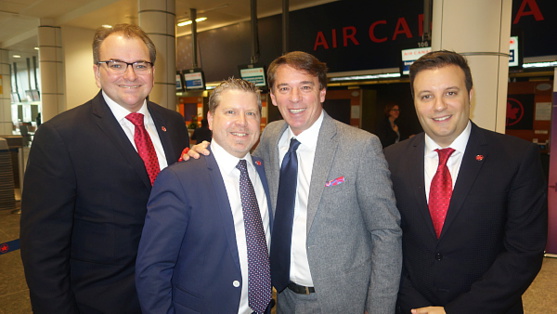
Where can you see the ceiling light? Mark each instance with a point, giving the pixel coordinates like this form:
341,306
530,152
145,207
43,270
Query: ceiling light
16,56
106,26
188,22
364,77
540,64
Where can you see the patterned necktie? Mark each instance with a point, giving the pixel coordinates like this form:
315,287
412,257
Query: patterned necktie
145,147
440,191
281,238
259,273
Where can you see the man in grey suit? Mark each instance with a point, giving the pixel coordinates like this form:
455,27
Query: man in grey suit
345,254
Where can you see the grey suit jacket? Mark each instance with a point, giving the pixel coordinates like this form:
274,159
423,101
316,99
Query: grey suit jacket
353,232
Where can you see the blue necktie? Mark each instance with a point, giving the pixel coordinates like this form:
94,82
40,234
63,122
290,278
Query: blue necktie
281,238
259,274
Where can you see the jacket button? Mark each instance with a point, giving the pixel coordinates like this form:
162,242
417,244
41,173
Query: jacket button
438,256
236,283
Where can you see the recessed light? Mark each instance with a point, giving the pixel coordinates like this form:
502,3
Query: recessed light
188,22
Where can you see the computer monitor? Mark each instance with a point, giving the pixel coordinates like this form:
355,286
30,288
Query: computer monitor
254,74
194,79
179,82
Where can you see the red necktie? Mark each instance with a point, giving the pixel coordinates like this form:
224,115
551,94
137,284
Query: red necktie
144,146
440,191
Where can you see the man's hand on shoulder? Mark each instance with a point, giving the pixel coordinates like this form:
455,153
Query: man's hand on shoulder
195,151
429,310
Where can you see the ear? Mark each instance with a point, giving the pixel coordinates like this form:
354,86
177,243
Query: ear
322,94
273,98
96,70
210,120
471,94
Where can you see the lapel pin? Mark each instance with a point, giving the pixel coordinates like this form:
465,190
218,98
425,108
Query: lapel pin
257,162
479,157
163,128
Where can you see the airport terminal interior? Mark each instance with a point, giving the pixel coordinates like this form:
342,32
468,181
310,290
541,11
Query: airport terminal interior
364,49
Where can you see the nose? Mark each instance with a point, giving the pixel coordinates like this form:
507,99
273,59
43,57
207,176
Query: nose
295,95
242,120
439,104
129,74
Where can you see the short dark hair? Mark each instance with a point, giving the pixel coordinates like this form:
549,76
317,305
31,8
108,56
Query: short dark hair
236,84
130,31
389,107
299,60
439,59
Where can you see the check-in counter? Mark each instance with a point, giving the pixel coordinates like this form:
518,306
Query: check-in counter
8,173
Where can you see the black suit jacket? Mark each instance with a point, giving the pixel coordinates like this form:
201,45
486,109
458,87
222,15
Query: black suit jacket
492,243
83,208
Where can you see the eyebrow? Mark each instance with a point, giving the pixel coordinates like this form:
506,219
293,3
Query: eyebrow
301,83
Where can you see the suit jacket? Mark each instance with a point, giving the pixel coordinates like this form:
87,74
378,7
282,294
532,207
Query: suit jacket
188,257
353,232
491,246
83,207
386,134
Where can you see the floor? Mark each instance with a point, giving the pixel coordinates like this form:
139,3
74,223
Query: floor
540,298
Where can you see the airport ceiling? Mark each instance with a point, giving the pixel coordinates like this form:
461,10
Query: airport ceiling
19,19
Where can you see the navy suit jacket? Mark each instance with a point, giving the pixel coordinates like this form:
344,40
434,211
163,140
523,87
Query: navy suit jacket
188,258
492,243
83,207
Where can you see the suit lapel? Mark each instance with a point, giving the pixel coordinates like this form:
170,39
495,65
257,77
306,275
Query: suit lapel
327,145
258,162
415,173
104,118
223,206
469,169
274,164
161,125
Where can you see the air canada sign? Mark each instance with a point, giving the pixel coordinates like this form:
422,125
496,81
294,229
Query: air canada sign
385,30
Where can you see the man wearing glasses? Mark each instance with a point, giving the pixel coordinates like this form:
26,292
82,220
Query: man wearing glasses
88,180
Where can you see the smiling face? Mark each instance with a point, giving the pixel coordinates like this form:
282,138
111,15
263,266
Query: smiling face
298,96
442,102
235,121
128,89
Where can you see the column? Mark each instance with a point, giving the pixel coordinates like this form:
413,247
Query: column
52,70
157,18
5,94
481,31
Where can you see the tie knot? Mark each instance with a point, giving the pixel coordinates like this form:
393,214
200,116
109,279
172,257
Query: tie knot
444,155
136,118
242,165
294,143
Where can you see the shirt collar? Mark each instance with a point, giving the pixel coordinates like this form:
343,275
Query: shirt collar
459,144
308,137
120,112
226,161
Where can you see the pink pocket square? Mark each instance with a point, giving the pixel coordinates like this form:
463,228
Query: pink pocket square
334,182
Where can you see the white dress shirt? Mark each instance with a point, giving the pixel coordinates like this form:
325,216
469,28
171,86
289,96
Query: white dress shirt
120,114
299,265
431,157
231,176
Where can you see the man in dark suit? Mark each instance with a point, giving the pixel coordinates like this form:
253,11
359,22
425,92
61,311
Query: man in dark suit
86,187
477,248
197,252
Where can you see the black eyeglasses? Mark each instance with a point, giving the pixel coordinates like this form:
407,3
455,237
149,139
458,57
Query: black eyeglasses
119,67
